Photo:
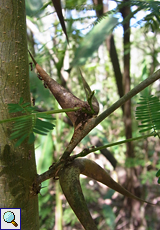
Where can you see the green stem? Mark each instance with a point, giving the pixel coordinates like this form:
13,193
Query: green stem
60,164
89,150
58,208
46,112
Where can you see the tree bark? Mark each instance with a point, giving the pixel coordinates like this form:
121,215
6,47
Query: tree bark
125,11
132,208
17,165
132,184
99,7
112,50
116,66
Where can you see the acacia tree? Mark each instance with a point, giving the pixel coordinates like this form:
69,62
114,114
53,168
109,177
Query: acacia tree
17,165
20,184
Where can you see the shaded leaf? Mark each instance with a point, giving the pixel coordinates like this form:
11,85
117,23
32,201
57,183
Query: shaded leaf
31,138
46,116
93,40
19,142
43,125
20,100
158,173
39,132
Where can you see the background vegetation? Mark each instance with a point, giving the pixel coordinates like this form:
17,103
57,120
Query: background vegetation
134,165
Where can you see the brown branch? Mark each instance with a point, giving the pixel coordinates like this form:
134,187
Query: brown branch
93,122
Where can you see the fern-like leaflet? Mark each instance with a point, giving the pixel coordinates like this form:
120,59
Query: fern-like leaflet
148,112
32,122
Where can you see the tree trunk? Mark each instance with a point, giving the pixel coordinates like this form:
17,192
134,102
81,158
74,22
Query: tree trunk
131,207
17,165
112,50
116,65
125,11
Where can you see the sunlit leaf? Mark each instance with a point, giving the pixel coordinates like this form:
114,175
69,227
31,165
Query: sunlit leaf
93,40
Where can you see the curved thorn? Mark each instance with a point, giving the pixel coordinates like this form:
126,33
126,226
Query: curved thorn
69,181
93,170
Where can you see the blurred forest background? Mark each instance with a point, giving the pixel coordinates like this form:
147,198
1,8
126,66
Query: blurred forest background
111,64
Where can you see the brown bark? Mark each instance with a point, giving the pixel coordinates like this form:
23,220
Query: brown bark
17,165
99,7
132,183
112,51
132,207
125,11
116,66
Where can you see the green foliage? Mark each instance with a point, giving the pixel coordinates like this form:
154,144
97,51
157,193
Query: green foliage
148,177
33,6
25,126
93,40
148,113
69,217
46,209
133,162
151,20
109,216
158,175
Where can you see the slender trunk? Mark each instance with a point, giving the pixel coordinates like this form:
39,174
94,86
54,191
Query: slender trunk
99,7
127,80
112,50
58,208
58,191
116,65
17,165
132,208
